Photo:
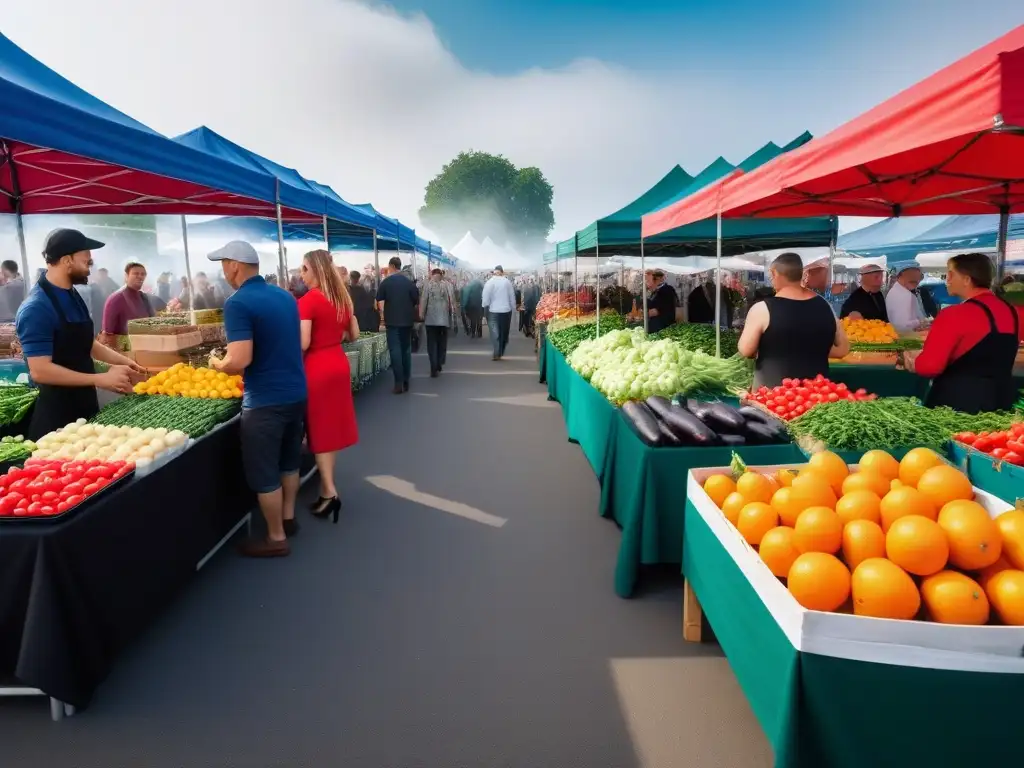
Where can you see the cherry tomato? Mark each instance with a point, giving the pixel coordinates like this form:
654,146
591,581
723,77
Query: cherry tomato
73,488
1012,457
967,438
983,444
999,439
999,453
74,500
832,397
91,488
34,509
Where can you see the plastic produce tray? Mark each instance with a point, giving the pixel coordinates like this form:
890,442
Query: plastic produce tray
12,520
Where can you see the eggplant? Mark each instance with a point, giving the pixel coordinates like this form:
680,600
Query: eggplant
764,434
732,440
643,422
688,428
668,437
658,404
750,413
697,408
722,418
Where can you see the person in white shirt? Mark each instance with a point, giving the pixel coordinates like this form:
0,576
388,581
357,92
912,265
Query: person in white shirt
902,302
499,301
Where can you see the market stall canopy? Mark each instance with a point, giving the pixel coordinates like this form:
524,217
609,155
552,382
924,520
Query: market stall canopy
971,232
295,191
63,150
887,232
623,226
952,144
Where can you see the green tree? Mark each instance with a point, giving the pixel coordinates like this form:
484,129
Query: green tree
488,195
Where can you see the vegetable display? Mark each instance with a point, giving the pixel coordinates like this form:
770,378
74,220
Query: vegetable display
182,380
625,365
193,416
1003,445
890,423
15,449
15,402
81,441
903,540
794,397
699,336
47,488
566,340
660,422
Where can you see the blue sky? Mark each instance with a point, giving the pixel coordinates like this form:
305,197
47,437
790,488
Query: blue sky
374,97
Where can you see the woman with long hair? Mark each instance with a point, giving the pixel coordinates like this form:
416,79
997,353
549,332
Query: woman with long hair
327,320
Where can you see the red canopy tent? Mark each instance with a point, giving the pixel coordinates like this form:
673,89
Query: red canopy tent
951,144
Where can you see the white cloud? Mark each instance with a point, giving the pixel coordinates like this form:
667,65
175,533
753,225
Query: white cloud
370,101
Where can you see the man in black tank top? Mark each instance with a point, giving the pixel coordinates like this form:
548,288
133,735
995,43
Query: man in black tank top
794,333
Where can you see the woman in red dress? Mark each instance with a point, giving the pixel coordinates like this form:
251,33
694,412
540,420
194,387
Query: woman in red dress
327,320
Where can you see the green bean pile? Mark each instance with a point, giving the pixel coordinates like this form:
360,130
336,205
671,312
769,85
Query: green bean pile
15,402
567,339
891,423
192,415
698,336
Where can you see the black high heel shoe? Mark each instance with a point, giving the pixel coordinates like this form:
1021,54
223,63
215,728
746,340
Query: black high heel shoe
291,527
318,503
331,510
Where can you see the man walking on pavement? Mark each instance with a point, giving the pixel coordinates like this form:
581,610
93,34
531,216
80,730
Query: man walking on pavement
472,307
399,300
499,302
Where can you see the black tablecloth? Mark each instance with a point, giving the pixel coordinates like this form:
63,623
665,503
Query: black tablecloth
74,593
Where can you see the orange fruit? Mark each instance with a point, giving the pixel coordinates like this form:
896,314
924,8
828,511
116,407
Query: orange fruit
884,590
943,484
756,519
755,487
784,478
952,598
974,538
1011,526
818,529
860,505
811,489
866,481
784,502
830,466
862,539
1006,594
880,463
732,505
916,463
917,545
895,484
818,581
778,551
718,488
1002,564
904,501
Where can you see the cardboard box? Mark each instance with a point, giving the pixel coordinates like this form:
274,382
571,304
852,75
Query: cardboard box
169,342
161,360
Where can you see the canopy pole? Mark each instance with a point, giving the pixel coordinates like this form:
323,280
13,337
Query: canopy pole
282,265
413,256
576,276
832,254
597,261
1004,225
19,225
558,283
643,281
327,240
718,283
188,272
376,268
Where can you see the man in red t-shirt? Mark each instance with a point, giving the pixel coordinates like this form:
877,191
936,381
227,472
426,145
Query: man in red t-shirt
971,348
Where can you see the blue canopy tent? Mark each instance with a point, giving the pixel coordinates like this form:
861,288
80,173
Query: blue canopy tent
62,150
950,233
886,232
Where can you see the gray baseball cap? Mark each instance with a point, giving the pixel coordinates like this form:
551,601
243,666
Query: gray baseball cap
236,250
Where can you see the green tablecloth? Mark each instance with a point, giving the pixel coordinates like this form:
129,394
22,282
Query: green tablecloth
1003,480
884,382
824,712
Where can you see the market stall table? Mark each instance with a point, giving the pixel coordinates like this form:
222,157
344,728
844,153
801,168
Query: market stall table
838,691
75,593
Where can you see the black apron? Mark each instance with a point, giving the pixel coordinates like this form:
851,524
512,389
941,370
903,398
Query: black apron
72,349
981,380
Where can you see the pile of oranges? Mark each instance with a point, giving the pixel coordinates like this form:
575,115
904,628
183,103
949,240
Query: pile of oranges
182,380
893,540
869,331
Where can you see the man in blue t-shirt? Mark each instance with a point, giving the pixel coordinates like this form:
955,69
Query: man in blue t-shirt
261,322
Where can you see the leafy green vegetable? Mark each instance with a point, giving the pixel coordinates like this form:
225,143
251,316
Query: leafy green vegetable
567,339
192,415
890,423
15,402
698,336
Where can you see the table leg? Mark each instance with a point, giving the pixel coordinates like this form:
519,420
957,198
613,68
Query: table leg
692,615
56,710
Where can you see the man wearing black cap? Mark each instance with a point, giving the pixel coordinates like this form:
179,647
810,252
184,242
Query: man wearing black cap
56,334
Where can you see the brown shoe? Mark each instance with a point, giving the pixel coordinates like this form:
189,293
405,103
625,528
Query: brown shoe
264,548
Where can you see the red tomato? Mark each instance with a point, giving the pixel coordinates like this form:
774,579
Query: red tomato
780,410
1012,457
62,507
799,410
34,509
998,453
75,487
983,444
49,497
967,438
47,511
91,488
1017,430
95,473
832,397
74,500
999,439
